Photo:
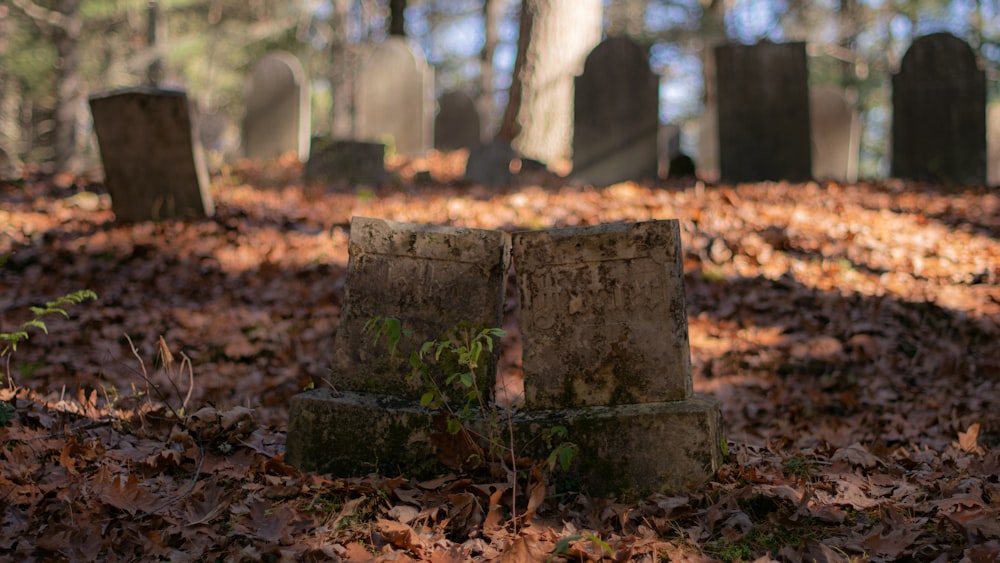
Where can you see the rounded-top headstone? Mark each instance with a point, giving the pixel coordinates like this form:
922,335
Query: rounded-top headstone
939,56
457,124
277,112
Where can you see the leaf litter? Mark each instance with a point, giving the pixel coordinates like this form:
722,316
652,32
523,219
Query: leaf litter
849,331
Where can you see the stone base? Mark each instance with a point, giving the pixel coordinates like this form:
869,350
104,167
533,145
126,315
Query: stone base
355,434
342,160
630,451
627,451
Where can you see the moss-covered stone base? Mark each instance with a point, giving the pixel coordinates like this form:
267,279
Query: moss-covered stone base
630,451
355,434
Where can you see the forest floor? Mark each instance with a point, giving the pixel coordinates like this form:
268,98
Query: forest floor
850,332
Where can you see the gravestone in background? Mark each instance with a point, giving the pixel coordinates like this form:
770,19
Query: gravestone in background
395,98
835,123
153,163
616,115
341,160
993,144
277,108
763,112
457,125
939,112
434,280
489,164
606,355
8,166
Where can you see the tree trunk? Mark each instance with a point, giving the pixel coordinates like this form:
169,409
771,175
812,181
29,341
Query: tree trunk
713,32
69,94
342,72
486,103
396,17
555,38
156,30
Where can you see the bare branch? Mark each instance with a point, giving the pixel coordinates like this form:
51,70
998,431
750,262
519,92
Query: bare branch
42,15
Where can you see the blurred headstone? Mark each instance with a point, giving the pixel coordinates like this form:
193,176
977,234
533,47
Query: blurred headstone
395,99
835,123
457,125
489,164
339,160
616,115
8,166
681,166
763,112
939,112
277,108
153,162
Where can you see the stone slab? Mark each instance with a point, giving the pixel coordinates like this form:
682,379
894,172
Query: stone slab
603,315
939,112
340,160
616,115
836,133
631,451
489,164
763,112
154,167
277,112
355,434
457,125
433,279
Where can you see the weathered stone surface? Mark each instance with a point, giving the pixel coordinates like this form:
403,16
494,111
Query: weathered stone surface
395,98
616,115
277,108
939,112
836,134
153,163
457,125
489,164
338,160
633,450
763,112
8,166
433,279
352,434
603,315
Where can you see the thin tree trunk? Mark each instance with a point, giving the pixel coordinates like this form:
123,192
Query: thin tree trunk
397,25
555,38
155,37
342,66
69,95
491,38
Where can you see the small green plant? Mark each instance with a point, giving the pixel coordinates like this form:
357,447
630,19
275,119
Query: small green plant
10,340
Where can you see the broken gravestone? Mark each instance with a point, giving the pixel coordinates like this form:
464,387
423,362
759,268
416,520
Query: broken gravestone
616,115
939,112
457,125
341,160
153,163
434,280
277,108
606,355
763,112
395,98
835,123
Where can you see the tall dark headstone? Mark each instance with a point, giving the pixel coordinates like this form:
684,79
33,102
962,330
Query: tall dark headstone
939,112
153,162
616,115
277,112
763,112
457,125
394,99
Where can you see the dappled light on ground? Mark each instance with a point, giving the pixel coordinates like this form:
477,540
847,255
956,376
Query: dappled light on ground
851,333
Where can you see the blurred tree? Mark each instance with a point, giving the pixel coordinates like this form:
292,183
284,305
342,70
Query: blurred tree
554,38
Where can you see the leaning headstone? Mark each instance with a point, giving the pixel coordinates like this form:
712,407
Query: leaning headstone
489,164
835,124
616,115
395,98
435,280
340,160
606,355
939,112
763,112
153,162
457,125
993,144
277,108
